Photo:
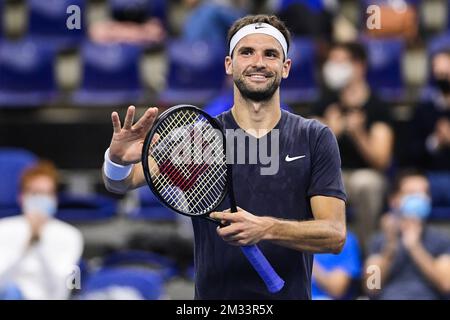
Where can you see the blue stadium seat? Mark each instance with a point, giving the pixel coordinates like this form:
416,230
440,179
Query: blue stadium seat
48,22
146,284
190,272
196,72
151,208
440,214
301,85
163,265
27,75
86,208
439,43
110,75
12,162
385,67
439,189
315,5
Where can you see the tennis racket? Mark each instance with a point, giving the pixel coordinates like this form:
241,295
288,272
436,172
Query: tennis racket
184,162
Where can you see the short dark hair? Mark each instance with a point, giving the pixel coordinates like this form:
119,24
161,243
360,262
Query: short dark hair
404,174
356,50
260,18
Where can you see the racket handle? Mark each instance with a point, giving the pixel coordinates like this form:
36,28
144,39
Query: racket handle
272,280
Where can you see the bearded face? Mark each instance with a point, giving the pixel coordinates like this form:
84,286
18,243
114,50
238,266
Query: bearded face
257,66
257,84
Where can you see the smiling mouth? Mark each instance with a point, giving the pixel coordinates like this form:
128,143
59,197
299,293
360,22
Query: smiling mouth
258,76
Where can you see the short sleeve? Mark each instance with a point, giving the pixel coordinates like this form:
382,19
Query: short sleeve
326,177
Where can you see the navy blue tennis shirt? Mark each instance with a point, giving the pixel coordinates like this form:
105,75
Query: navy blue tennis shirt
222,271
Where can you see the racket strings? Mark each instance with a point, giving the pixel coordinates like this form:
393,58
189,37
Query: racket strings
194,182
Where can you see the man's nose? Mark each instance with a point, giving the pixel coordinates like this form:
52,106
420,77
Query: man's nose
259,60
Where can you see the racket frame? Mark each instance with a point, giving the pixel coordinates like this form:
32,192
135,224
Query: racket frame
144,159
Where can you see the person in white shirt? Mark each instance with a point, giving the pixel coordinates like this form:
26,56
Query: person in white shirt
38,253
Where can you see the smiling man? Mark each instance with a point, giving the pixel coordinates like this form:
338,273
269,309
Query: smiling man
292,213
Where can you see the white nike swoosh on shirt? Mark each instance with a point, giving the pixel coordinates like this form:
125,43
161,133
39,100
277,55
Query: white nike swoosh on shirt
289,159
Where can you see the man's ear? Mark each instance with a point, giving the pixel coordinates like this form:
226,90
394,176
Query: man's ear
286,68
228,65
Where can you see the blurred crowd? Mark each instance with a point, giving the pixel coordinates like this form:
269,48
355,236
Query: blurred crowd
377,72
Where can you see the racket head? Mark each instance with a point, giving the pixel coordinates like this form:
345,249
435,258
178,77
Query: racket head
205,189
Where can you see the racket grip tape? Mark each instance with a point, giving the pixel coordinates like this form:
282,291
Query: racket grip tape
256,258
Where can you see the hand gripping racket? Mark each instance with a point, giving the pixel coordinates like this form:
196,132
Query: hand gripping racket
184,162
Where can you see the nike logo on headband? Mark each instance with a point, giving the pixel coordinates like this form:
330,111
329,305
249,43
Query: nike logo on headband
259,27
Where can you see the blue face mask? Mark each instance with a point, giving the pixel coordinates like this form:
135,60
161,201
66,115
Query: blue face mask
39,203
417,205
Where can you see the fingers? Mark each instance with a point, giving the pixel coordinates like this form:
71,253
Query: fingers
146,121
230,232
115,122
129,118
155,138
234,235
226,216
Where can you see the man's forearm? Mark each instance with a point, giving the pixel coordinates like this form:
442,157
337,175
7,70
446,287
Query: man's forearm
427,265
121,186
315,236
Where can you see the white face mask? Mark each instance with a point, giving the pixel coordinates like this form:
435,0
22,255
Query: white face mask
39,203
337,75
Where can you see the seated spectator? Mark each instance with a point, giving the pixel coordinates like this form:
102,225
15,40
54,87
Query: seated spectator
337,276
413,259
131,24
38,252
360,122
429,140
430,127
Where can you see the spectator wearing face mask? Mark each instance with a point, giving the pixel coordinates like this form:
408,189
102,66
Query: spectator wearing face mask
361,123
413,258
429,139
430,127
38,252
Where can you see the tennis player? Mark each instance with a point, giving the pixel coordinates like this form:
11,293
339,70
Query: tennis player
298,211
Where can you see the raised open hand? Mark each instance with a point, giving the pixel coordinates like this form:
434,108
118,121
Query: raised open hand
126,143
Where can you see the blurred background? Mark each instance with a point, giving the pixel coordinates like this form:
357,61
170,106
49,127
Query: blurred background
379,67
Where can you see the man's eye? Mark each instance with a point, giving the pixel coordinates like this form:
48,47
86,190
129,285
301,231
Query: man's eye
271,54
246,52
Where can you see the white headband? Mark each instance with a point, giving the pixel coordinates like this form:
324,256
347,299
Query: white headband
264,28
